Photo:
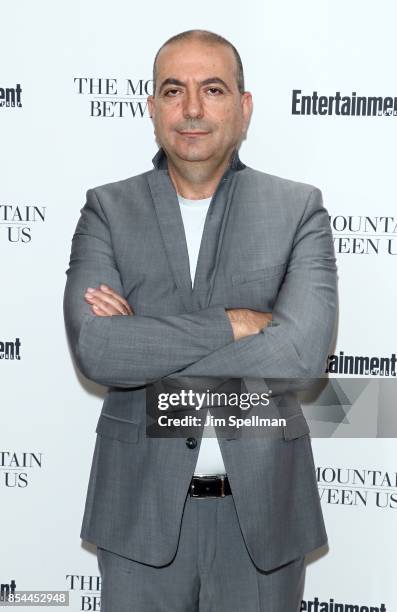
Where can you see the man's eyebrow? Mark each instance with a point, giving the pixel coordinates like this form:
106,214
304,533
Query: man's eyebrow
215,80
171,81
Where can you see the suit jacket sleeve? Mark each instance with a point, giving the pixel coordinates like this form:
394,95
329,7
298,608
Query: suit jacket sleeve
295,345
128,351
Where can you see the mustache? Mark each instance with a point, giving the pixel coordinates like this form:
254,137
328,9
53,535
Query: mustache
193,125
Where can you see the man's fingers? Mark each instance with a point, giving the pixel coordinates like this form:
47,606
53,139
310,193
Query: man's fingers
247,322
99,312
111,303
103,311
116,295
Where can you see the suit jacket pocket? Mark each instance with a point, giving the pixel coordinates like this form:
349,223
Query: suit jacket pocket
117,428
259,274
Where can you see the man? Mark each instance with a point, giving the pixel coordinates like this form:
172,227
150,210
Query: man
201,267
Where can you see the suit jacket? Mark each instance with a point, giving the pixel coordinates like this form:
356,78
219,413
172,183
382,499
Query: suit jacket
266,245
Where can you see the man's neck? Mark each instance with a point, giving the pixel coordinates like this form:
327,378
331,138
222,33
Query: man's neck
196,180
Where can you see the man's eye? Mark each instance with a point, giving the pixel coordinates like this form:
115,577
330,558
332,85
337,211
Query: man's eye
214,91
171,92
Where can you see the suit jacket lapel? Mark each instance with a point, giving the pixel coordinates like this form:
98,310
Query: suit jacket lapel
171,225
212,239
173,233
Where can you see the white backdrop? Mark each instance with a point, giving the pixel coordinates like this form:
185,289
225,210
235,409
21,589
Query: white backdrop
52,150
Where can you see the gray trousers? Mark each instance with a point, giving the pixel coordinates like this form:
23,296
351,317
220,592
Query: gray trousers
211,571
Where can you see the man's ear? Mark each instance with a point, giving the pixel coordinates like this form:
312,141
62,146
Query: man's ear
150,103
247,108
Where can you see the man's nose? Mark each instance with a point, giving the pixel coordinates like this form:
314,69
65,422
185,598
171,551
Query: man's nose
193,105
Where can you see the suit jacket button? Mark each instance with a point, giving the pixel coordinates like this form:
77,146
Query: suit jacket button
191,442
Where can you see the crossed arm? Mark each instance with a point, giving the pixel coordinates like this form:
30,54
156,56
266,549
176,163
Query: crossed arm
128,351
106,302
294,345
136,350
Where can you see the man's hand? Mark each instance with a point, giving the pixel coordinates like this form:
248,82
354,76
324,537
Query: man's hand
105,302
247,322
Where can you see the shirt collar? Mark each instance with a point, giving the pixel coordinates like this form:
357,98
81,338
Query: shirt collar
160,161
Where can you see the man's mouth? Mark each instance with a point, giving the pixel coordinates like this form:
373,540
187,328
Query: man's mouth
193,133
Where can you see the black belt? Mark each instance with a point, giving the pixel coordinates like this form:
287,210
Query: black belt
209,486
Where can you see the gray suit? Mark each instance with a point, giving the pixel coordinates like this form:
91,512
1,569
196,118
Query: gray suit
266,245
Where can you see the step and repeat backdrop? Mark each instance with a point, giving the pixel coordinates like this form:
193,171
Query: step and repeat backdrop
74,80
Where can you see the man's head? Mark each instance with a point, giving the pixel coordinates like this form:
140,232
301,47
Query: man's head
206,37
199,107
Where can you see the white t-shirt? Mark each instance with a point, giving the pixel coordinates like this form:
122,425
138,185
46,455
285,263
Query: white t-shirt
194,212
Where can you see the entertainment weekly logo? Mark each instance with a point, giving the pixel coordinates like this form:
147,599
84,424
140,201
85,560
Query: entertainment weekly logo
11,97
16,468
349,105
360,235
115,98
331,605
88,589
357,487
10,349
18,220
367,365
